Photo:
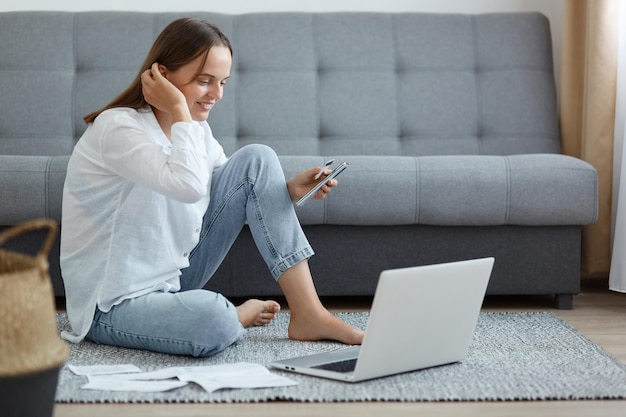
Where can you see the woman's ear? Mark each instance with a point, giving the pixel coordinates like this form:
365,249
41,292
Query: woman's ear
163,70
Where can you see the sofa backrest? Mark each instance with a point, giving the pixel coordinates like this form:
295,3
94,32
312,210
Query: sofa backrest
305,84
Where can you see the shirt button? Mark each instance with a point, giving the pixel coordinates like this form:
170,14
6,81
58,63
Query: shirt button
185,254
197,230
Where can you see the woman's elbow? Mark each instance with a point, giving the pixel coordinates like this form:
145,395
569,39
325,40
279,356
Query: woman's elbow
191,193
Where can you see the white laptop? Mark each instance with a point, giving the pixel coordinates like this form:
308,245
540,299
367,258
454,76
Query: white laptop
421,317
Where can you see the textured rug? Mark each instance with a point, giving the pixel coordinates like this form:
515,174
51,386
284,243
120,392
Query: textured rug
513,356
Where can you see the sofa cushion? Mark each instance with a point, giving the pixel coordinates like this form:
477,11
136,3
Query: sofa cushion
312,84
461,190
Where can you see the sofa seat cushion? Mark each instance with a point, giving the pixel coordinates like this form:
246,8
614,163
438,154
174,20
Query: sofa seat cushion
462,190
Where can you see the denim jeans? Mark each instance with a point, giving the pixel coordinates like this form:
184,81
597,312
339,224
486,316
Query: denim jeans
250,188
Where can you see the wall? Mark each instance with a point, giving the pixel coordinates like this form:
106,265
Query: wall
243,6
553,9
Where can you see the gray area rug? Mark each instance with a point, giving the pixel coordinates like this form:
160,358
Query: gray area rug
513,356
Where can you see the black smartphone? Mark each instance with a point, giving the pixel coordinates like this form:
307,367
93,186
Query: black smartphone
338,170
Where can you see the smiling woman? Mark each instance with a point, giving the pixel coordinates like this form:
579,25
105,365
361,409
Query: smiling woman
185,44
152,205
200,82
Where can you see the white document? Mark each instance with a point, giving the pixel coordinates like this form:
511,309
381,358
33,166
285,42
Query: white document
210,378
238,375
103,369
111,383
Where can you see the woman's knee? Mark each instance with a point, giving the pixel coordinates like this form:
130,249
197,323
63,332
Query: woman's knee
258,157
258,150
214,321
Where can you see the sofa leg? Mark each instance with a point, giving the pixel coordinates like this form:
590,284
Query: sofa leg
564,301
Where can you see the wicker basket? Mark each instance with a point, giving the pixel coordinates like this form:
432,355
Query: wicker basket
31,352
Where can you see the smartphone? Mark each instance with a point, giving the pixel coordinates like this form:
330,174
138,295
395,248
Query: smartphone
338,170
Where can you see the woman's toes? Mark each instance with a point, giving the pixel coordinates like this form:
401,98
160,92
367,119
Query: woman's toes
257,312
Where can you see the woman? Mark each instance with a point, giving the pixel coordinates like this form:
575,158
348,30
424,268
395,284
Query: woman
151,206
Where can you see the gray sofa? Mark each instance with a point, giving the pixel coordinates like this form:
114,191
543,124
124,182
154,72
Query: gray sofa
449,124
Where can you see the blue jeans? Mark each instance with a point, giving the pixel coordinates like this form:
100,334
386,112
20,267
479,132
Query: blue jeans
250,188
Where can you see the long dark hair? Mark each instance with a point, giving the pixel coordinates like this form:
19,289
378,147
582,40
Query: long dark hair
179,43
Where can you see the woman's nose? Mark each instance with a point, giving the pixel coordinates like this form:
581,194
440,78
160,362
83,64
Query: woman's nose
216,92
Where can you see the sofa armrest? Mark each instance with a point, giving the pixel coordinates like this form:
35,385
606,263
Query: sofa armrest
31,187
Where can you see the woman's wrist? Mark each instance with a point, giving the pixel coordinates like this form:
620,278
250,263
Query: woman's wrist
180,113
290,186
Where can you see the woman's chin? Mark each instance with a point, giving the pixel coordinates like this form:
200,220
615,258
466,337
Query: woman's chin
200,116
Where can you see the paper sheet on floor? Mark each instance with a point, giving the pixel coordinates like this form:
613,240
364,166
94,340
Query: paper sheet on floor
108,383
103,369
211,378
239,375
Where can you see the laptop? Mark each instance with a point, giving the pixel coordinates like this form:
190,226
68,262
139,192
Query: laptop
421,317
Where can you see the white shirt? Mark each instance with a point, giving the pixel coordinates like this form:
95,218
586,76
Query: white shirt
133,204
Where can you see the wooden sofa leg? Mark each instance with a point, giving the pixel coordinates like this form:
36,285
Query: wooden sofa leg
564,301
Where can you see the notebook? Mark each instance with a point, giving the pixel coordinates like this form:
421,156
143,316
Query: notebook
421,317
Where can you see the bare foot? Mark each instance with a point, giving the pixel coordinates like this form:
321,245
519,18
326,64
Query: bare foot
257,312
323,326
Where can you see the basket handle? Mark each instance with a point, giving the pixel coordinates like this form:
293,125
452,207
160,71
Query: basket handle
30,226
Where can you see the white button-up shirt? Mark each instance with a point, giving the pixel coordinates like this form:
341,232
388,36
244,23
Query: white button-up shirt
133,204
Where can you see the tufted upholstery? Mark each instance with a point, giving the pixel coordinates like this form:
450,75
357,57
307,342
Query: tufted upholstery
305,84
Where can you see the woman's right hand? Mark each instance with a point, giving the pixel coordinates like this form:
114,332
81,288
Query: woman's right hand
163,95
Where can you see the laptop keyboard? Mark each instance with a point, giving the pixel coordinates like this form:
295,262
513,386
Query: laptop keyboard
341,366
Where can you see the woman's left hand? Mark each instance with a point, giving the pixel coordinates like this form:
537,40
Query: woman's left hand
302,183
